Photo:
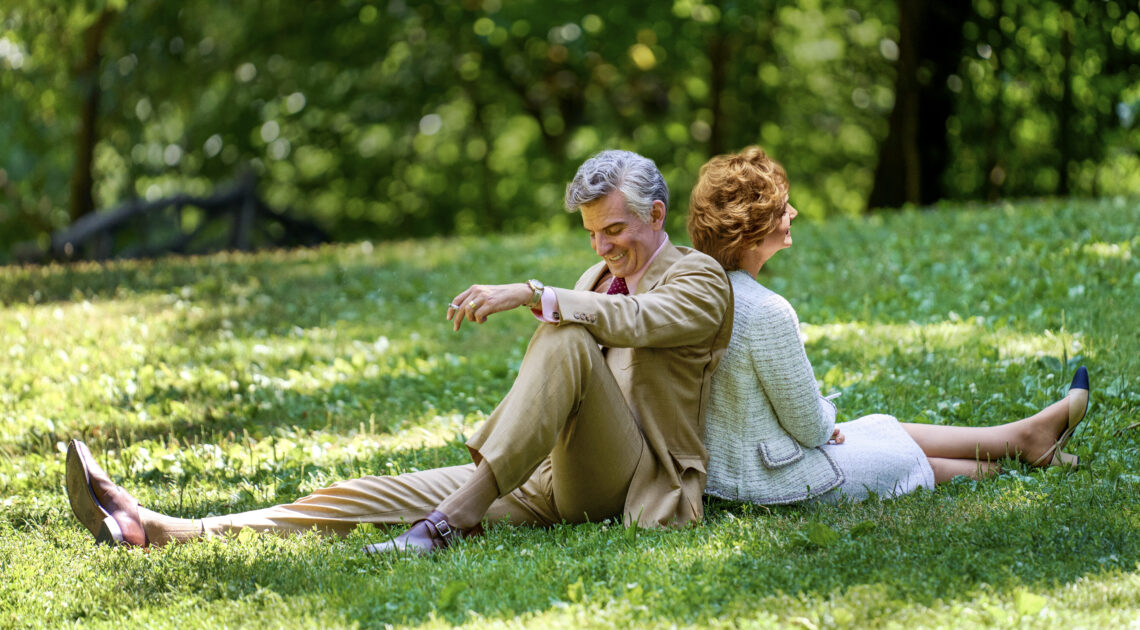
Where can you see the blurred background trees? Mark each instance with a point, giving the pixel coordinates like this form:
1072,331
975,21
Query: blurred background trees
398,118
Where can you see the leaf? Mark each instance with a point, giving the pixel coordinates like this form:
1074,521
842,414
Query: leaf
575,591
1053,364
843,617
365,528
863,527
820,535
449,596
1028,603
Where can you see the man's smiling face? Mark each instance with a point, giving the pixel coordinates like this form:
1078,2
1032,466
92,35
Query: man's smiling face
619,236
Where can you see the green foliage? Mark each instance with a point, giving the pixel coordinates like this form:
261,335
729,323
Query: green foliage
413,118
233,382
1047,92
397,119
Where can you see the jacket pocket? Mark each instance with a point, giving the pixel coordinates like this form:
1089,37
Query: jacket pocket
780,451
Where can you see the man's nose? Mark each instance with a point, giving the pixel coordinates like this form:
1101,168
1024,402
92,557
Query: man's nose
602,245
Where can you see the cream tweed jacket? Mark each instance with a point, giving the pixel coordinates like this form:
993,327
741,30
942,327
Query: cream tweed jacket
766,419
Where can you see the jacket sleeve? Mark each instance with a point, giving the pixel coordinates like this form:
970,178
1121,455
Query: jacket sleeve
686,307
784,373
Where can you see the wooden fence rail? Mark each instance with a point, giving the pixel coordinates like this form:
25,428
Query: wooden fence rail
233,218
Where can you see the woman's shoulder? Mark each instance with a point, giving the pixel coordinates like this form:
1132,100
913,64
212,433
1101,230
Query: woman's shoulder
756,301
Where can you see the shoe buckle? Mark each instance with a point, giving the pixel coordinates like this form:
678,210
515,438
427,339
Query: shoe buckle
443,528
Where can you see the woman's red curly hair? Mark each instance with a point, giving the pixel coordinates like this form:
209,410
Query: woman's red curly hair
738,200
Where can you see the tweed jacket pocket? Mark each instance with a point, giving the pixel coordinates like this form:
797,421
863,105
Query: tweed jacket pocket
780,451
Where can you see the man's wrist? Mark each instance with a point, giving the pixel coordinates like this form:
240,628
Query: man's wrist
536,288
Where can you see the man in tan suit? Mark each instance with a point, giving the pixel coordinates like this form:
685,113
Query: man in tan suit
604,420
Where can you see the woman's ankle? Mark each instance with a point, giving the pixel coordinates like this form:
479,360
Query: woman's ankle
162,529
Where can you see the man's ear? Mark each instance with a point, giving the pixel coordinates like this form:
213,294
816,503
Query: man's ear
657,214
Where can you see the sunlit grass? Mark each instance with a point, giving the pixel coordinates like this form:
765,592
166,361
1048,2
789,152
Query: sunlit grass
232,382
950,337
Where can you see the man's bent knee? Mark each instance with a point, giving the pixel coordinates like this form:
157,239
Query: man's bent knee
563,340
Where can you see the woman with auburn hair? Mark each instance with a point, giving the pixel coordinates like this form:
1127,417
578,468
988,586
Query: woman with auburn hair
771,437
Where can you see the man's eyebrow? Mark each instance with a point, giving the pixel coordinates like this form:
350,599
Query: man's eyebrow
605,227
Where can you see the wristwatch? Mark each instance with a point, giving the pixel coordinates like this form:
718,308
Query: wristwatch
536,299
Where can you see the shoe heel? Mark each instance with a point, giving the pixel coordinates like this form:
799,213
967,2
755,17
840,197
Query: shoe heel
109,532
1067,460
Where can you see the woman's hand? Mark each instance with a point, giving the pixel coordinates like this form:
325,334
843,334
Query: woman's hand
482,300
836,437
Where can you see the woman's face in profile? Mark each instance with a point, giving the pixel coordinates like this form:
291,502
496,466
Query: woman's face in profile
781,237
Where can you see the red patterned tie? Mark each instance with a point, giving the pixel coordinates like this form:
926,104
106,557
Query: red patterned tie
618,287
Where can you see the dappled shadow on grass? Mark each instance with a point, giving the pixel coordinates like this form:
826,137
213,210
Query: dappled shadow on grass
941,545
352,268
389,358
247,318
936,548
928,550
1053,257
384,406
223,310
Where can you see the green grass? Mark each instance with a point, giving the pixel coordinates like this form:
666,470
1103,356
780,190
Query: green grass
233,382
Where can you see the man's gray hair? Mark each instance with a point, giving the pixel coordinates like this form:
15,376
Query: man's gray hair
635,176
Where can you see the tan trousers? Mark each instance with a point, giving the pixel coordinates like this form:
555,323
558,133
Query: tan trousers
563,445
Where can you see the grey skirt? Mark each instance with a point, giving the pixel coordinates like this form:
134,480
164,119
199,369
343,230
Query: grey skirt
877,456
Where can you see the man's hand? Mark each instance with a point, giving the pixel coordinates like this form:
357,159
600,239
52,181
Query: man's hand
480,301
836,437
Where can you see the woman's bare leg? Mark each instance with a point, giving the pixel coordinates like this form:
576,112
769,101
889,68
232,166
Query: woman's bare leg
946,469
1026,439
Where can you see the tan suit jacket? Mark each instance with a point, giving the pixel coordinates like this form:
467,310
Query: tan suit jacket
664,343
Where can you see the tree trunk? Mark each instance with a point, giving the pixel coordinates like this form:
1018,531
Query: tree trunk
1065,115
994,166
913,156
87,78
718,60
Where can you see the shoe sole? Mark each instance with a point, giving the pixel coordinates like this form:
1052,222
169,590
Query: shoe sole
83,502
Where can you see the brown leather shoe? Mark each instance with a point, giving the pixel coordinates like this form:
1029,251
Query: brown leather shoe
426,535
108,511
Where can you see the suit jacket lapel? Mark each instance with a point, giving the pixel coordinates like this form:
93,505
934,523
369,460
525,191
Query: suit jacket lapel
590,279
656,272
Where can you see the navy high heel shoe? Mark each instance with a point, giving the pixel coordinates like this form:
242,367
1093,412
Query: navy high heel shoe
1078,406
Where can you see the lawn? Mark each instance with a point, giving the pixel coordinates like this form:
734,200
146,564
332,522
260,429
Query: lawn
231,382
